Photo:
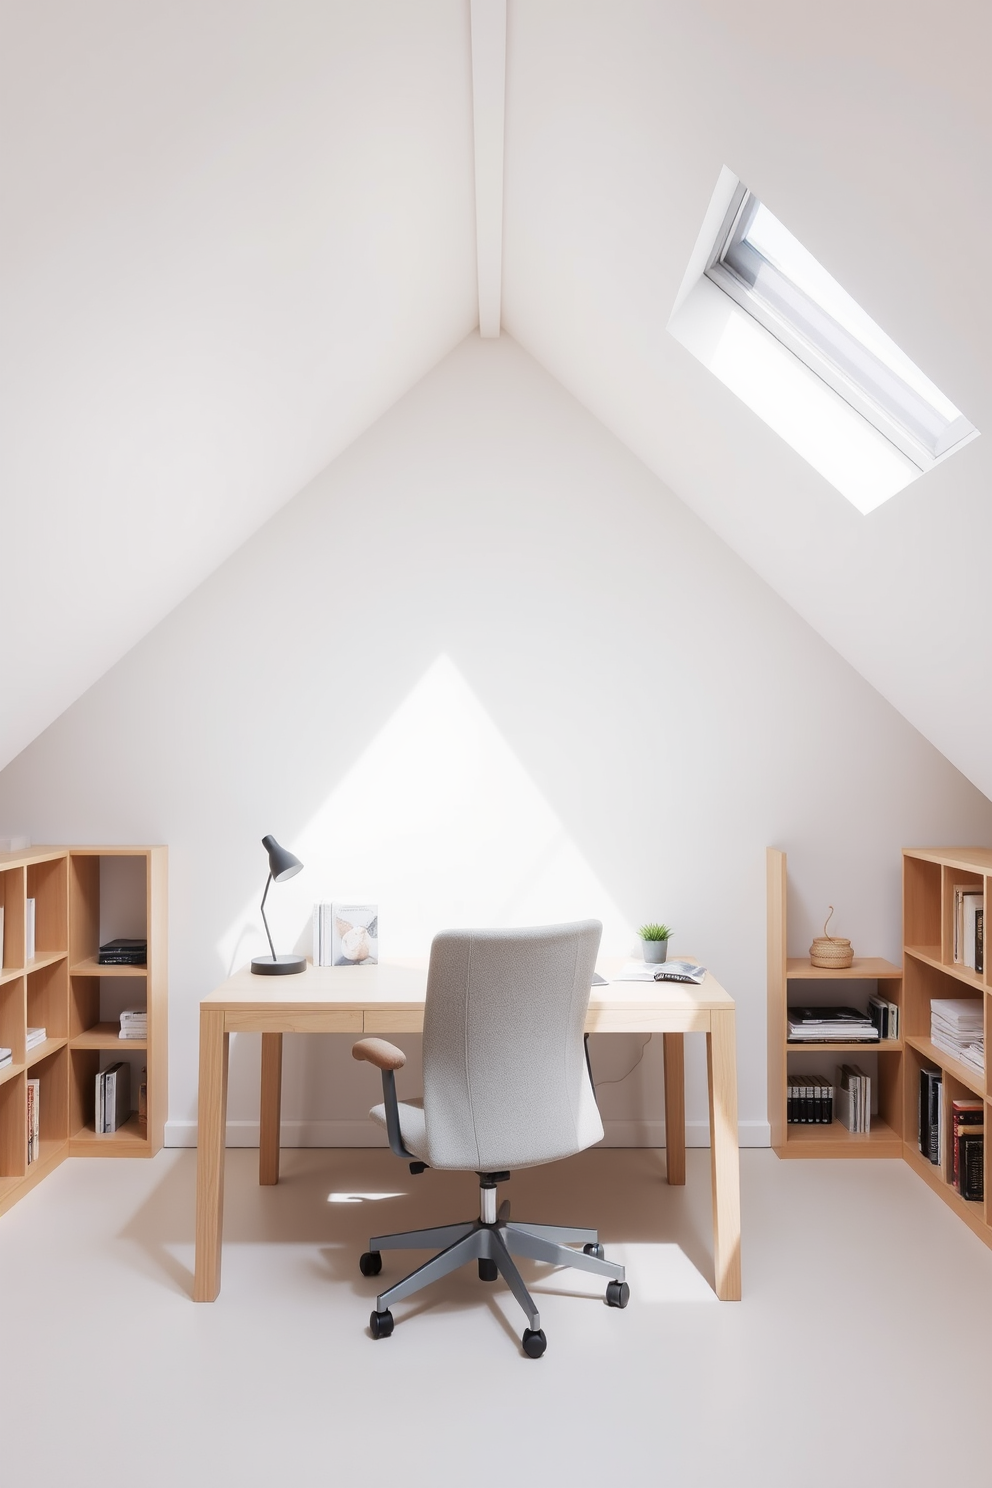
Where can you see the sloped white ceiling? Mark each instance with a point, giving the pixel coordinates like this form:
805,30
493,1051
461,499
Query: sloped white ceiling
865,126
233,234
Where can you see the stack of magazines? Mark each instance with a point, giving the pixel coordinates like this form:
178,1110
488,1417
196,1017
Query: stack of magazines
134,1024
956,1027
822,1025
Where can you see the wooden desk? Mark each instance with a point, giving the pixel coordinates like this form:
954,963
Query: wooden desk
389,999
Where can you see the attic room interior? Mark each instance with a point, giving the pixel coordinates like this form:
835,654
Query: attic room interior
527,462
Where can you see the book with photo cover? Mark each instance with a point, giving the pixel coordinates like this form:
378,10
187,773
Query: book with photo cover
355,934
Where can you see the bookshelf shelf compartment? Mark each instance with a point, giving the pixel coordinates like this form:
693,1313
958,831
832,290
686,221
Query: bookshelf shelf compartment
83,898
41,1051
973,1079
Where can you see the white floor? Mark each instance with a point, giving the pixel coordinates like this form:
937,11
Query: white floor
861,1351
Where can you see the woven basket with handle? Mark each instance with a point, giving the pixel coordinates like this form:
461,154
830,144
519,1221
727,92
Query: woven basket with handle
832,952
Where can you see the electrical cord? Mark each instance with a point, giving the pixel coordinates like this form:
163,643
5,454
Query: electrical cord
618,1079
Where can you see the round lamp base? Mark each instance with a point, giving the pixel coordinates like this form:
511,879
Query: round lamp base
278,965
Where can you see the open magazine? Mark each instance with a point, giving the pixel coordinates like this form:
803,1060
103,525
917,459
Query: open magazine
665,971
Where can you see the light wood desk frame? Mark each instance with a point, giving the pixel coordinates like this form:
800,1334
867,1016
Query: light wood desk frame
389,1000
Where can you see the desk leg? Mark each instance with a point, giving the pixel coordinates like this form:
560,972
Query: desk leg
211,1132
270,1114
721,1069
673,1048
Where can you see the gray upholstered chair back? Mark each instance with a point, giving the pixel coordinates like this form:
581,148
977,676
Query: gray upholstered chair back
505,1077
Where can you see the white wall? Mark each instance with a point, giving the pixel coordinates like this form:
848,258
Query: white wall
487,668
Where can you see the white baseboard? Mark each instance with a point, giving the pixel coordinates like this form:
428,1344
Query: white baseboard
362,1133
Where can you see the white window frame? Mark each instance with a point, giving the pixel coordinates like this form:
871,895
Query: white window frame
834,354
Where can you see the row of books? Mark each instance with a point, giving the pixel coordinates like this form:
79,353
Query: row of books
885,1016
969,926
810,1101
34,1120
957,1026
966,1157
29,932
821,1025
113,1098
853,1098
345,934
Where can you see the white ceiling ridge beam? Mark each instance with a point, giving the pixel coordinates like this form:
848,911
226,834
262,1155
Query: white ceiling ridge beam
488,110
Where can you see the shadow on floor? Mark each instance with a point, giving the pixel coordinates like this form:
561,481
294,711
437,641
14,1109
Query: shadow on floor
334,1198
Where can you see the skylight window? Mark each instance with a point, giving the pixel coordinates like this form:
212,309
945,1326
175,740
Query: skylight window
771,275
768,321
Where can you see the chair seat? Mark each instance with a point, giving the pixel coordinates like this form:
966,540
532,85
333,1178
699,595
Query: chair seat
413,1124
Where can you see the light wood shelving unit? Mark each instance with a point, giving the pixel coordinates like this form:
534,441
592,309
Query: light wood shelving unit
77,1001
929,971
885,1139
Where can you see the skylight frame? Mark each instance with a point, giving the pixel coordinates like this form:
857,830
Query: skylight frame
898,411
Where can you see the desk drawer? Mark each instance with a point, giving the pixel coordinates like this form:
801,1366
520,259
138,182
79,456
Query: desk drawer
300,1020
396,1020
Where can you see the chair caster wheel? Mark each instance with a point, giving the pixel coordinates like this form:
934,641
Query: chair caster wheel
594,1249
534,1342
381,1324
371,1263
617,1294
488,1270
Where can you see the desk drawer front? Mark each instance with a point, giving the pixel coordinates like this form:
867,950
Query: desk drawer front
632,1020
302,1020
399,1020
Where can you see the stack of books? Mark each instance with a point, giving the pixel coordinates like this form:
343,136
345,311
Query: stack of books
968,1148
810,1101
35,1037
956,1026
34,1120
6,1055
113,1098
134,1024
853,1098
123,953
821,1025
931,1129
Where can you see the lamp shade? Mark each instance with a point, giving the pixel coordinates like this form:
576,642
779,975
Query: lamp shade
282,864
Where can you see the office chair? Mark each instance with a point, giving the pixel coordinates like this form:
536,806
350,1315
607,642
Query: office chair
506,1085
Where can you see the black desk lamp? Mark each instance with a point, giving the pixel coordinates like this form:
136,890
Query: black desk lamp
282,865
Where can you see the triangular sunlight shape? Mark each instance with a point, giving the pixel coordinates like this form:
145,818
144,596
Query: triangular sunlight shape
439,824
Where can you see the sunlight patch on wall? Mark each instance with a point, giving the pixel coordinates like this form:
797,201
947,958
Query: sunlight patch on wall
439,823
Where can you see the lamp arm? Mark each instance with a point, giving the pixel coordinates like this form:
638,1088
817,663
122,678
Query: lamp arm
264,920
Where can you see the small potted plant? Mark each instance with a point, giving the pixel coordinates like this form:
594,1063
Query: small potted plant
654,939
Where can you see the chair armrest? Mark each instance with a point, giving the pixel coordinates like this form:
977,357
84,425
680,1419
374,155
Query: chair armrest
387,1058
380,1052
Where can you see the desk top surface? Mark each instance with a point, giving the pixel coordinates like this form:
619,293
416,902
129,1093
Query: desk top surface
401,983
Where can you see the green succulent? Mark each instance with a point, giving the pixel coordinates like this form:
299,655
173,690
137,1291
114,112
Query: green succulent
655,932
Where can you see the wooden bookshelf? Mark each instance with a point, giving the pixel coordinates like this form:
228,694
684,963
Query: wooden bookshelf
854,985
929,971
83,897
